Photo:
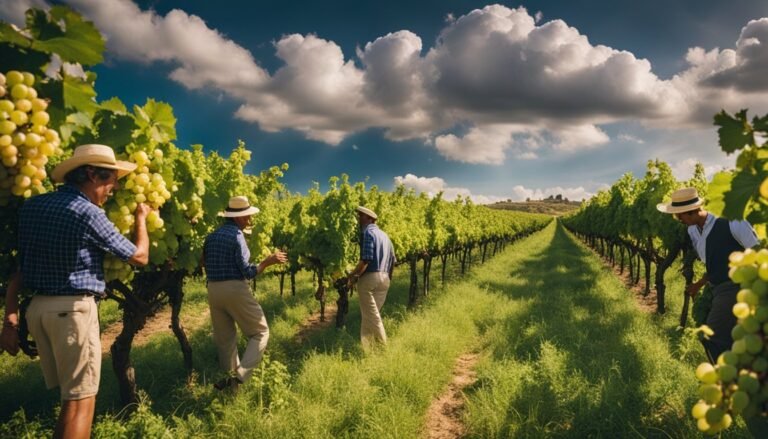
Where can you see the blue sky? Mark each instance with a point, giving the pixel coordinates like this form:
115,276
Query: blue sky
494,100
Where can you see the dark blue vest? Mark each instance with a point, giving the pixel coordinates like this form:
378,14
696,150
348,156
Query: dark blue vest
720,244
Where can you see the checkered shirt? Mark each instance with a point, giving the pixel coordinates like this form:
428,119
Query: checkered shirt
376,249
63,237
226,254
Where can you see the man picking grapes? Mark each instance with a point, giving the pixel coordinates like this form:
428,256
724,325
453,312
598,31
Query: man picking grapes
372,274
63,237
714,240
227,265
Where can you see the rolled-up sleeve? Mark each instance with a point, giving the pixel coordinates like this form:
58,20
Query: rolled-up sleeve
368,249
243,257
743,232
105,235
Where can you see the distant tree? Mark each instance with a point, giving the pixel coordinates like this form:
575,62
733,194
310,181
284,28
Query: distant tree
559,197
528,200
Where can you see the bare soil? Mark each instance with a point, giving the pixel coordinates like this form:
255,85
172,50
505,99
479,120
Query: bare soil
312,324
444,414
160,322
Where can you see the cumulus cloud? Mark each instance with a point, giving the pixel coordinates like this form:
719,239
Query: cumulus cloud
683,169
519,86
630,138
184,40
729,78
12,11
434,185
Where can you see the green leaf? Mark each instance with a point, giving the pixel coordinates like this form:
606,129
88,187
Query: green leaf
743,187
721,183
40,25
53,90
114,129
115,105
156,119
10,35
79,95
78,42
734,132
760,123
17,58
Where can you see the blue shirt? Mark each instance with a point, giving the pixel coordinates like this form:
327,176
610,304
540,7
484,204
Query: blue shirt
226,254
376,249
63,237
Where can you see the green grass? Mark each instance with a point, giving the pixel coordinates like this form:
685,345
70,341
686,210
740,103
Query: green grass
564,352
582,360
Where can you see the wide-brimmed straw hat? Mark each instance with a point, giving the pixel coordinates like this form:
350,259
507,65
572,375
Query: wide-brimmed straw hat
367,211
100,156
239,206
683,200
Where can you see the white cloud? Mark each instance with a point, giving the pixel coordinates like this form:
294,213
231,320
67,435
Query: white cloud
202,56
12,11
520,85
683,169
433,185
630,138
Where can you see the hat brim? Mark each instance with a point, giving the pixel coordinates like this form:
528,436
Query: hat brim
122,167
367,212
670,209
247,212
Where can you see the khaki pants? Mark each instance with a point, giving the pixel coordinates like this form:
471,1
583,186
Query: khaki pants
66,330
372,289
231,302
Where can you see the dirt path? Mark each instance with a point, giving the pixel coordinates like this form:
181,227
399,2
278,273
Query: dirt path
646,303
160,322
313,323
444,415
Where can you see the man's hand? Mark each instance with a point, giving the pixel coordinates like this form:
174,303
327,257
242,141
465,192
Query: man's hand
278,257
352,280
142,210
9,338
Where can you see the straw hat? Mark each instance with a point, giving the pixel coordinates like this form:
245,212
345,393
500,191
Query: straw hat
100,156
366,211
239,206
683,200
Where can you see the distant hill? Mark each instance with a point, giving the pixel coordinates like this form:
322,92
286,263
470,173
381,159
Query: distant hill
549,206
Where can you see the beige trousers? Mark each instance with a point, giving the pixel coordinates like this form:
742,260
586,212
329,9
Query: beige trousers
372,289
66,330
231,302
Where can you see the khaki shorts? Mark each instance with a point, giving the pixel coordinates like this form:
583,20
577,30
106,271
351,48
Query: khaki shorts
66,330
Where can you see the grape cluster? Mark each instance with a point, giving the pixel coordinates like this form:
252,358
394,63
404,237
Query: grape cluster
26,142
144,185
737,384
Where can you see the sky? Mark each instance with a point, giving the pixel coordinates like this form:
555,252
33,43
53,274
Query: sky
507,100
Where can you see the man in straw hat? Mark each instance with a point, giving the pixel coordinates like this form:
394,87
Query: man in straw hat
227,264
372,274
63,237
714,240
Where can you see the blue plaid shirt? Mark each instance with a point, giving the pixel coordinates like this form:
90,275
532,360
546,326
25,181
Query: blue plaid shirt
63,237
376,249
226,254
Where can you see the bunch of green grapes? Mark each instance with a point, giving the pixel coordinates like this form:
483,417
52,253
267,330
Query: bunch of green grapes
737,384
141,186
26,142
144,185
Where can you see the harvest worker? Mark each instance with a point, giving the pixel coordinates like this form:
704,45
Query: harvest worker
63,237
372,274
714,240
227,264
